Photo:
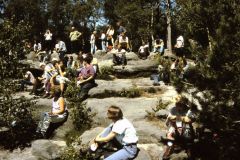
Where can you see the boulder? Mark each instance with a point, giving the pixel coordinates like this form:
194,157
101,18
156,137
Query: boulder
131,56
154,150
47,149
163,113
134,110
136,68
143,155
17,154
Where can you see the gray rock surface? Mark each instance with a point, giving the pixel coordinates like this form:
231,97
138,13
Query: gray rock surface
163,113
134,110
47,149
89,135
118,85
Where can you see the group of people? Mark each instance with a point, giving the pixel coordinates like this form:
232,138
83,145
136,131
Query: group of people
54,78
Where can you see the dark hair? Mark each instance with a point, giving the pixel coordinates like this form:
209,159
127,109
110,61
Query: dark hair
56,94
88,58
114,113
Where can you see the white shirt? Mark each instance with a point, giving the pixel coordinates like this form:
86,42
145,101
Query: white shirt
110,32
122,40
126,133
61,46
103,36
30,76
48,36
180,42
141,49
92,39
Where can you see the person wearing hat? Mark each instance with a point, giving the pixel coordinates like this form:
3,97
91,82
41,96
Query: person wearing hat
120,133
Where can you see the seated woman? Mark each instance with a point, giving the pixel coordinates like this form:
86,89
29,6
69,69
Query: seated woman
56,117
86,78
59,78
121,132
159,46
120,57
143,51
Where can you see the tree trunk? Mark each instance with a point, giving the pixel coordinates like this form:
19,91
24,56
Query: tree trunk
169,32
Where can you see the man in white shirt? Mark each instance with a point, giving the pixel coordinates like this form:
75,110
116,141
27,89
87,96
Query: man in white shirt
61,48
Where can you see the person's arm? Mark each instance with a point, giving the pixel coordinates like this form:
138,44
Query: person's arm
109,137
61,105
86,80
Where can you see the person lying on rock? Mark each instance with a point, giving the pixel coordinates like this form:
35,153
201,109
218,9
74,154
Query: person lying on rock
49,121
120,133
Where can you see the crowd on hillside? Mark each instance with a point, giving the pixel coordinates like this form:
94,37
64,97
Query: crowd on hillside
55,74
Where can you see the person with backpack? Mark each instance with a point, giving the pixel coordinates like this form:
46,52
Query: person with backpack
180,131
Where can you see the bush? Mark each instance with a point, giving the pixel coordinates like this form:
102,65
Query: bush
81,115
16,115
105,72
152,114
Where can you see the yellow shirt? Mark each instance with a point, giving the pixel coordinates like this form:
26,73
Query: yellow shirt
74,35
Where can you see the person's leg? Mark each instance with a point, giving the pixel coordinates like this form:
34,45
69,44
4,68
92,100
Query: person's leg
125,153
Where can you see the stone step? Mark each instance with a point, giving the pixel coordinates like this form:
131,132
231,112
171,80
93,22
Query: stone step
127,88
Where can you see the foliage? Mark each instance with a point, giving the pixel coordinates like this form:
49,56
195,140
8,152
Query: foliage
16,114
129,93
81,115
105,72
160,105
12,48
217,75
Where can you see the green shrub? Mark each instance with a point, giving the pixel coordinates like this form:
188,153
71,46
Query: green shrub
16,114
81,115
152,114
105,72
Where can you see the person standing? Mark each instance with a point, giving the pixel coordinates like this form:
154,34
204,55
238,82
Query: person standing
74,38
179,46
61,48
93,42
103,39
48,40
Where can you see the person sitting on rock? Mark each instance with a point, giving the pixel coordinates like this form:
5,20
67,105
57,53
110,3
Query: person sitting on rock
86,78
56,117
159,46
120,57
143,51
179,121
59,78
123,41
120,133
29,79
